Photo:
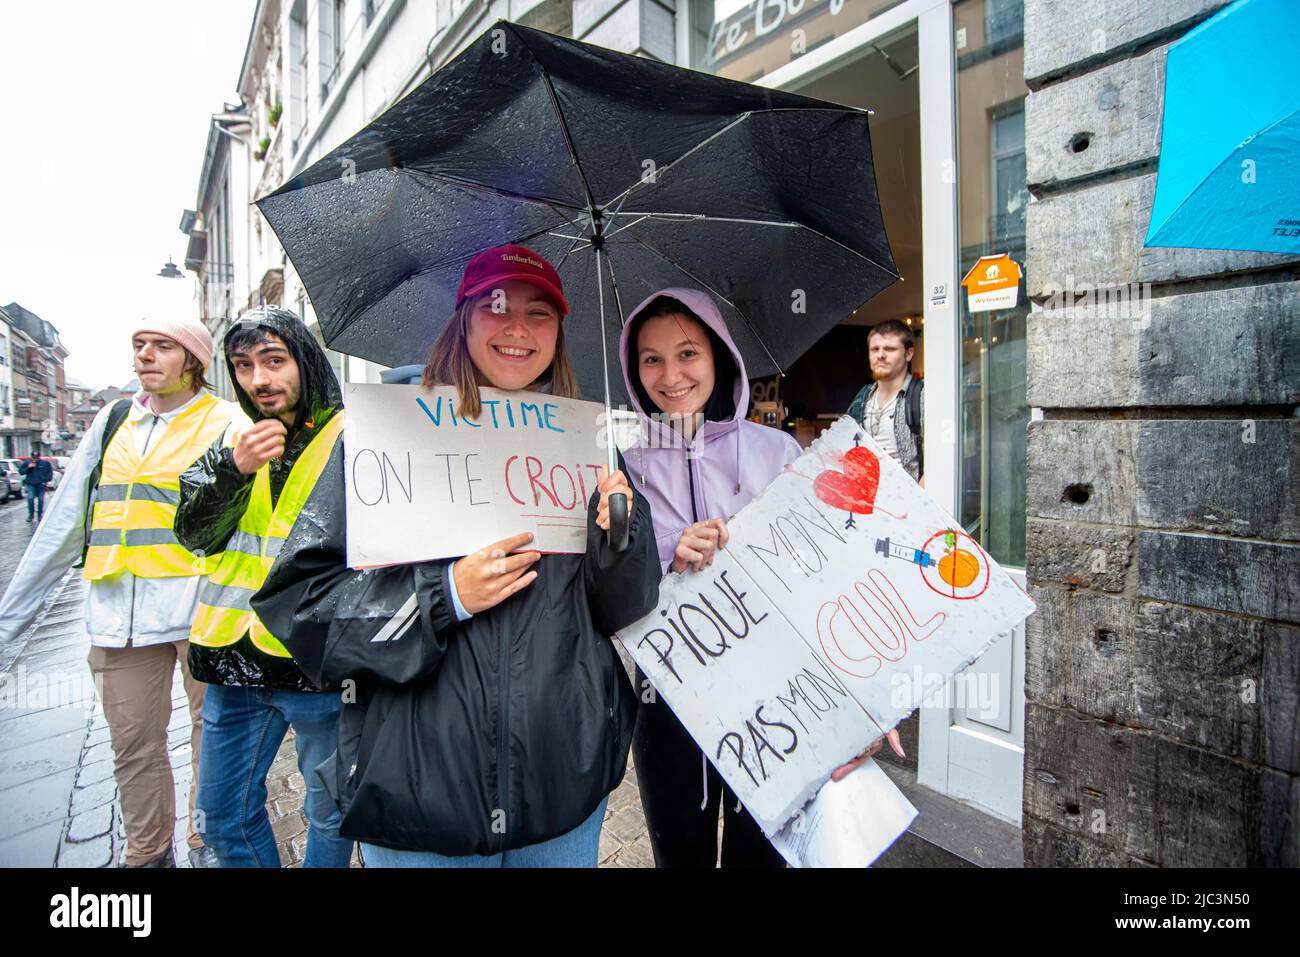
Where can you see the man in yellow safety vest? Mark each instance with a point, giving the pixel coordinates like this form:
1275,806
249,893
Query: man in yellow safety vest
240,500
114,508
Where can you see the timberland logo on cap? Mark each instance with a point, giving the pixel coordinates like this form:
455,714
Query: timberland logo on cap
526,260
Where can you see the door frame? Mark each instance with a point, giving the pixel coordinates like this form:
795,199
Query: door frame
994,781
937,89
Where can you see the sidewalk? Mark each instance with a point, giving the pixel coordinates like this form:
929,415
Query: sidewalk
58,801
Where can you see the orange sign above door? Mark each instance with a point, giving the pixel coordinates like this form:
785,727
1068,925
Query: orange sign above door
992,283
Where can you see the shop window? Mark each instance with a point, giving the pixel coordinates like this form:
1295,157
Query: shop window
992,198
331,37
1010,195
1004,20
297,74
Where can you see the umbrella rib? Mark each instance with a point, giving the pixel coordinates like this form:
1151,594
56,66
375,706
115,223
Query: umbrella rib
615,232
568,252
577,224
618,300
641,181
441,262
580,227
564,128
553,205
483,188
683,217
696,217
740,312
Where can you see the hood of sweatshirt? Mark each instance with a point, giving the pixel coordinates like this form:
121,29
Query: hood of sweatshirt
702,305
728,462
321,395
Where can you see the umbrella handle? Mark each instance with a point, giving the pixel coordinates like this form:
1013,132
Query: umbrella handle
618,522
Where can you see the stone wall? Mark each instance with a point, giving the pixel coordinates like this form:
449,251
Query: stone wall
1163,665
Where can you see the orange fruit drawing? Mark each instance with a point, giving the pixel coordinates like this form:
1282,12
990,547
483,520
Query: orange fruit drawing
959,568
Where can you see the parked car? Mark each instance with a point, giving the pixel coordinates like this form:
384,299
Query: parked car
58,465
12,486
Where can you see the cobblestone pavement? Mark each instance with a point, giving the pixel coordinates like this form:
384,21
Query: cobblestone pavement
58,801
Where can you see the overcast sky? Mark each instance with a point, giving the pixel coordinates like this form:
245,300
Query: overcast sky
104,109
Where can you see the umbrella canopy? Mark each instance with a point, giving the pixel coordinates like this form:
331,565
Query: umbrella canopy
765,199
1230,148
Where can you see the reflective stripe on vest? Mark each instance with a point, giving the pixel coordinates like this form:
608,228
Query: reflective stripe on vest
225,611
136,499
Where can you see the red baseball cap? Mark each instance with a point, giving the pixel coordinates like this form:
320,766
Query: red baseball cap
512,261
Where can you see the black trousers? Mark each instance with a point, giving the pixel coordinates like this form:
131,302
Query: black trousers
671,782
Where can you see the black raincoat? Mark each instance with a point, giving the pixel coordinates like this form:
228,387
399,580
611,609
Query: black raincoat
214,494
464,738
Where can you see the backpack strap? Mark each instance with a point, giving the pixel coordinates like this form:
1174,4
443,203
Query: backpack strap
116,416
912,413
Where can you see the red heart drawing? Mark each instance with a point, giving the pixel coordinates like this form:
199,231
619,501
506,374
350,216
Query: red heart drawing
854,489
861,464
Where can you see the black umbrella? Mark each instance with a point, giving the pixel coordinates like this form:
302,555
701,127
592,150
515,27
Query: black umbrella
628,174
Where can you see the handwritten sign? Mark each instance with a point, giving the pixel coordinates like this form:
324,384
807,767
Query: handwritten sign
425,482
770,713
844,591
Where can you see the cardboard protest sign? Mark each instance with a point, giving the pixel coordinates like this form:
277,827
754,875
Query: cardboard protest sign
872,573
850,822
870,590
771,714
424,482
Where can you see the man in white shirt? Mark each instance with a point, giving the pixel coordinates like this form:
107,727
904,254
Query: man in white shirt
144,584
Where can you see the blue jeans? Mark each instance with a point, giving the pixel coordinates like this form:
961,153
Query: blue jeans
242,730
578,848
35,500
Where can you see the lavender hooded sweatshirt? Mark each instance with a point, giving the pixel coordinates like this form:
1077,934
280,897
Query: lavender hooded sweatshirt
721,469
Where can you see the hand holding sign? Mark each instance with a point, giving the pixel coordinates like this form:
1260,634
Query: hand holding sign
263,442
891,737
490,575
698,544
611,485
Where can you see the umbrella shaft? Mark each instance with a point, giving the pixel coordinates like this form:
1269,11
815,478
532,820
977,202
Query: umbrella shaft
611,450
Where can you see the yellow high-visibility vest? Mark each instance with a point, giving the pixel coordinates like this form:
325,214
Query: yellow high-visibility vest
225,612
136,499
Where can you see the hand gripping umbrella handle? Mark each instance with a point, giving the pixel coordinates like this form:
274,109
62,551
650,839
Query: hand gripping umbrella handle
619,522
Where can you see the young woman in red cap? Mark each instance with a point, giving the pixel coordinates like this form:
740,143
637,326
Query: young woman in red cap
492,716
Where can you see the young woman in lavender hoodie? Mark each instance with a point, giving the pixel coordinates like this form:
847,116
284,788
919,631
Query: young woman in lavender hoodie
698,462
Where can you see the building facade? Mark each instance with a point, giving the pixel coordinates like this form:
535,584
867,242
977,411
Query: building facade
84,404
1166,634
8,401
217,230
1164,528
39,394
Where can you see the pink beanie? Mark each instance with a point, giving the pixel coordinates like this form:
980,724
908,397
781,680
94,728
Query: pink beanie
191,333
